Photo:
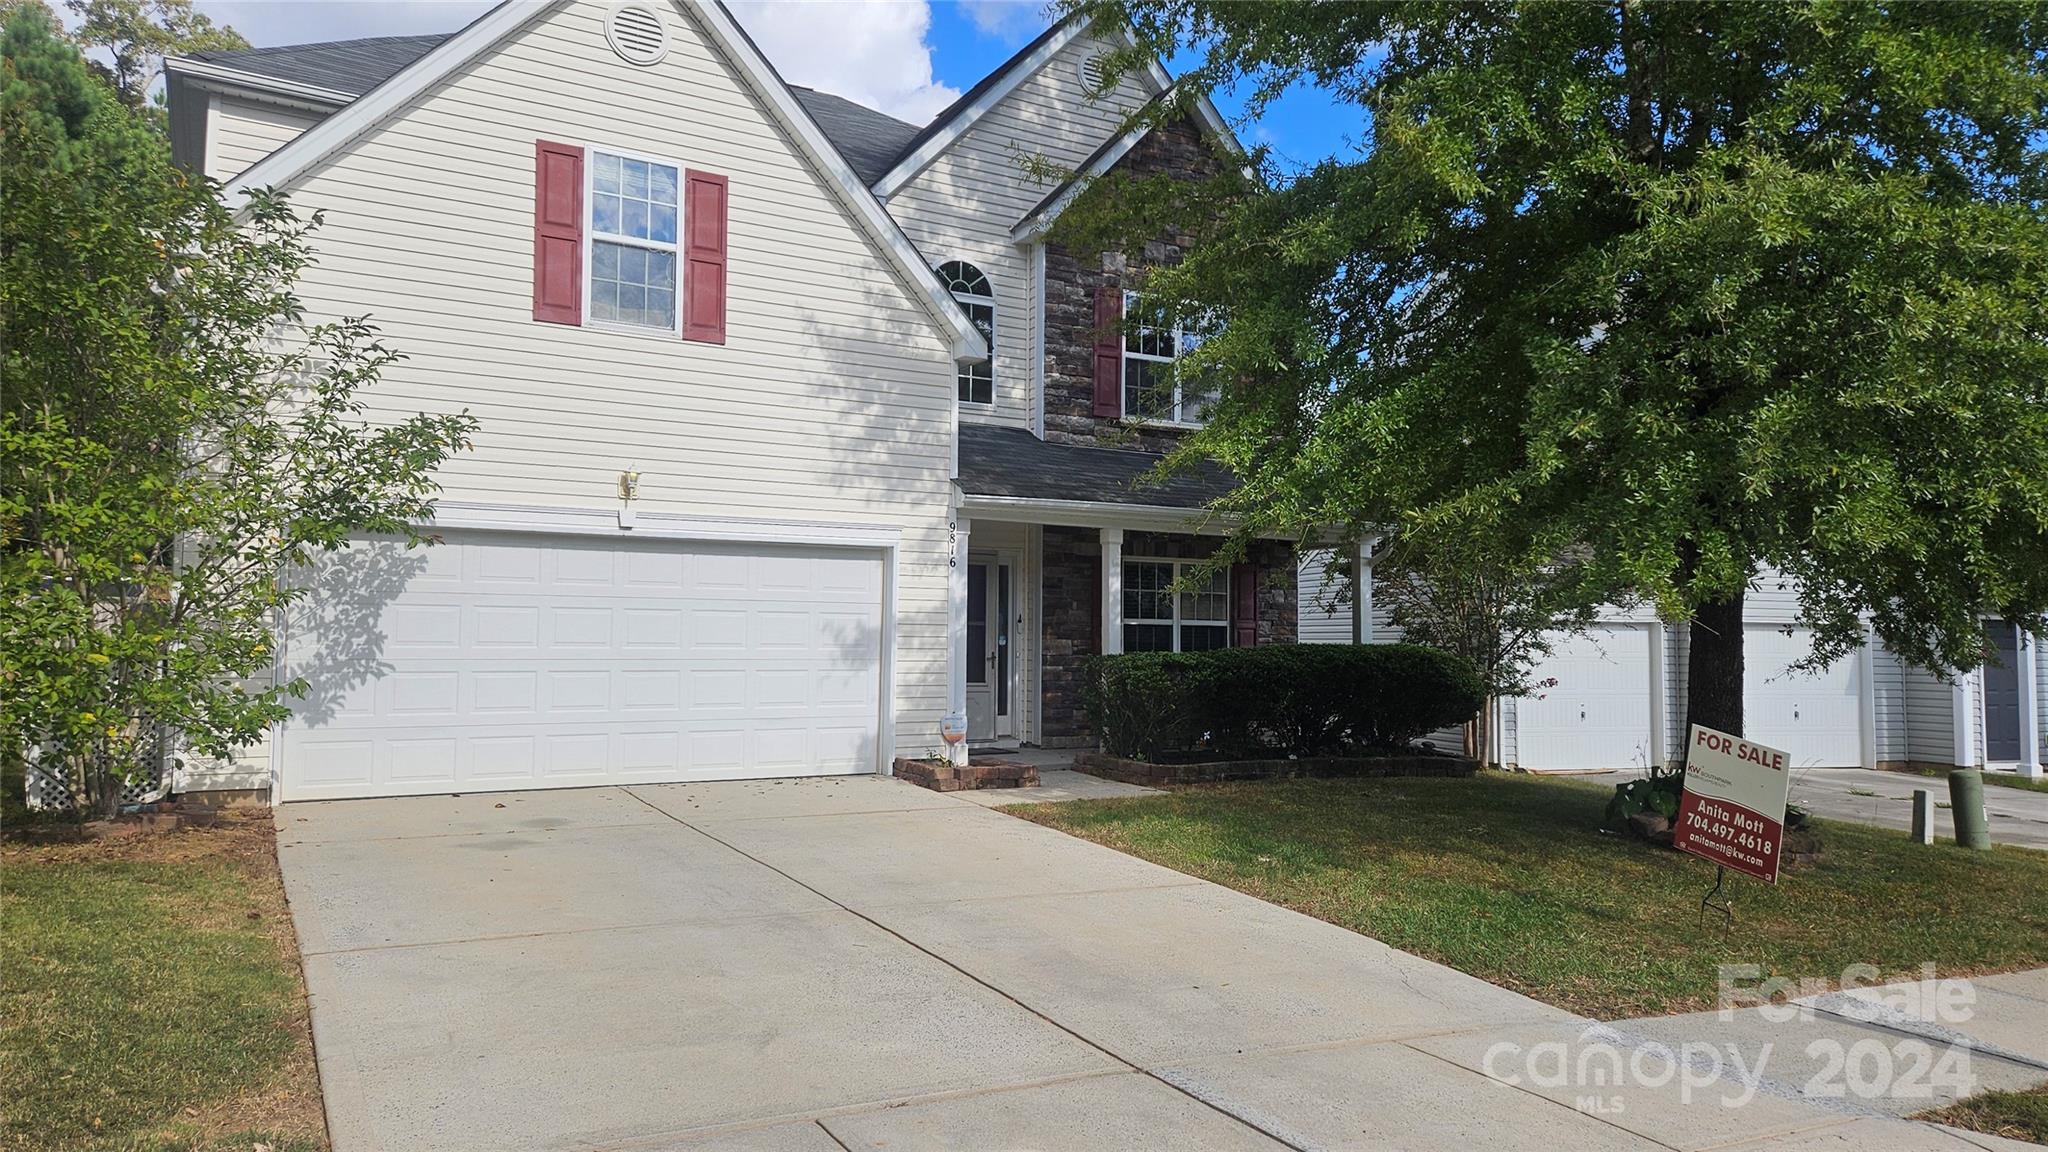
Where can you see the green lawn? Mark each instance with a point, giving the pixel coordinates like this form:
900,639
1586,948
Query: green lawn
2013,1115
150,998
1505,877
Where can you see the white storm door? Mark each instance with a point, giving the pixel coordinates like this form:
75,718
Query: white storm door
502,660
984,627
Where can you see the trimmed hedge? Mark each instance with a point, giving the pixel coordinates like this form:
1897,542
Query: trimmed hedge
1284,700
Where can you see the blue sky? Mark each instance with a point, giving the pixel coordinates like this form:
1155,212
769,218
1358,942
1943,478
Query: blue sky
970,37
907,57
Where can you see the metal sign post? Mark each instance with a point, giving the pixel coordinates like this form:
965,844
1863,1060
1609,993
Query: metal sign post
1726,907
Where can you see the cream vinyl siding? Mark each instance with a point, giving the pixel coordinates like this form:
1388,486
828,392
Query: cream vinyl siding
1318,618
1930,717
240,132
1888,685
964,204
831,400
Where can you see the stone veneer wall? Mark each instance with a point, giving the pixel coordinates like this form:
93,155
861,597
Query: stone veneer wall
1072,566
1070,282
1071,575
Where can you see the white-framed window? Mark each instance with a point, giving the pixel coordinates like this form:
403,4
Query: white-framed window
635,217
1159,619
971,289
1155,387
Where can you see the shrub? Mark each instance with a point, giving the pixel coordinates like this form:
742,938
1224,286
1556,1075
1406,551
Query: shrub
1285,700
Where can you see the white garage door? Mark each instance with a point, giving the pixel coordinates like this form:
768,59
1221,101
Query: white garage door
501,661
1597,714
1816,717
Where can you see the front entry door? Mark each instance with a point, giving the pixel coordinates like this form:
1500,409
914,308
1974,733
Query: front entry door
2002,692
988,650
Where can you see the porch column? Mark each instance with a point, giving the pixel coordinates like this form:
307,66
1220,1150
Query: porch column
1112,591
956,633
1361,592
1961,712
2030,705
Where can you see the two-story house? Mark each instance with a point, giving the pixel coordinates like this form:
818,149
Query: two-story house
797,434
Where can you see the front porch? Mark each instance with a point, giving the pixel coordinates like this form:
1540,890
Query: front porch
1042,579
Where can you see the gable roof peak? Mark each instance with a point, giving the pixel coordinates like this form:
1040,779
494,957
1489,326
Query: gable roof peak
399,90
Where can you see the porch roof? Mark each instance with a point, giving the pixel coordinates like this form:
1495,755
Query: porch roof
1011,462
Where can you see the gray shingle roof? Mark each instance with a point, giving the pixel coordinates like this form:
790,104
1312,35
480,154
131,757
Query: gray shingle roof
870,140
351,66
952,111
1012,462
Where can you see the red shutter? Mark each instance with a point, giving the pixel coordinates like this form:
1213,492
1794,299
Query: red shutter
1109,351
704,257
1244,605
557,232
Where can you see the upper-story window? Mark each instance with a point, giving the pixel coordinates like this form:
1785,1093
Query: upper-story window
1155,386
633,227
971,289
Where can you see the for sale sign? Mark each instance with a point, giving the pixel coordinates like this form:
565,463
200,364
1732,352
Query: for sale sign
1733,808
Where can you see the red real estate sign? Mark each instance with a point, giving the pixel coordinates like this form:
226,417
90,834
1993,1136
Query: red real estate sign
1733,808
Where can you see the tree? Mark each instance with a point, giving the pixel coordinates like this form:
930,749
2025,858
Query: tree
138,34
1684,289
1473,596
174,440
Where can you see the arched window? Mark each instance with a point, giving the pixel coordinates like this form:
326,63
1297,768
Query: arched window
970,288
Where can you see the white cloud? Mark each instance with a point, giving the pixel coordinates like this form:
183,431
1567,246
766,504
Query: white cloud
1010,21
870,51
270,22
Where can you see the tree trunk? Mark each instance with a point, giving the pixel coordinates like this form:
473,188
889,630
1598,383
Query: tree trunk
1714,679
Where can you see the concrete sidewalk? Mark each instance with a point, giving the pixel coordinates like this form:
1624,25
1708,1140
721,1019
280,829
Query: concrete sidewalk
858,963
1891,1050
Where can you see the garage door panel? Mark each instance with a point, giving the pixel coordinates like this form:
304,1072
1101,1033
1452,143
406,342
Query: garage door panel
1814,716
502,758
1596,714
523,661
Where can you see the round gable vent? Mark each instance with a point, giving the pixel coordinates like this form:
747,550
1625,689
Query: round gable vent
637,34
1094,71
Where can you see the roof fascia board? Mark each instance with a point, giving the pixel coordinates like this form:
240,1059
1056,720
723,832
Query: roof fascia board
1040,221
1204,108
286,165
1035,225
967,341
1096,514
220,78
291,162
918,160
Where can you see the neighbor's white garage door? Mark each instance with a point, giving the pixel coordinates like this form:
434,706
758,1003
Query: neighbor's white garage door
503,661
1815,717
1597,715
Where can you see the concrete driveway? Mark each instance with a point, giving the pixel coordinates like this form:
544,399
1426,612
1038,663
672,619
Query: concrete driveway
857,963
2017,816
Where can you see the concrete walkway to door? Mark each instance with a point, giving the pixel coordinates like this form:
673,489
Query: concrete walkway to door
856,963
